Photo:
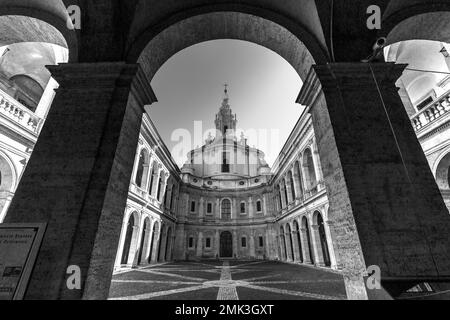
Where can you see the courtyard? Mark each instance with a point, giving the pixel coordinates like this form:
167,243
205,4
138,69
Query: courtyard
227,280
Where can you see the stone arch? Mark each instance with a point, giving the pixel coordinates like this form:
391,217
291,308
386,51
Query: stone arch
8,177
131,232
299,177
309,170
322,238
162,234
38,21
142,168
157,44
308,242
403,21
442,172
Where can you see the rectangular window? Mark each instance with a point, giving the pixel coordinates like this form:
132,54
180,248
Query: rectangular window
191,242
258,206
225,162
261,242
209,208
244,242
193,206
208,243
242,207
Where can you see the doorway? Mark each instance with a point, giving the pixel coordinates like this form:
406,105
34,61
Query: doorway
226,245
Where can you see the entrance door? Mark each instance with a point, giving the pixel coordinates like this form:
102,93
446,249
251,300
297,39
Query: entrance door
226,245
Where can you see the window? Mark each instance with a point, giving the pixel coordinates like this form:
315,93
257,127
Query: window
191,242
225,163
226,209
258,206
244,242
208,243
192,206
242,207
261,242
209,208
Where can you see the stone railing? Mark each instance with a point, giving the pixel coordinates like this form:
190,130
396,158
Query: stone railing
18,113
432,112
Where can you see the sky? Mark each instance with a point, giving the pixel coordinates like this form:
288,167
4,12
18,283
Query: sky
262,89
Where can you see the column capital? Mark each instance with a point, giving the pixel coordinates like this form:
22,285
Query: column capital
107,76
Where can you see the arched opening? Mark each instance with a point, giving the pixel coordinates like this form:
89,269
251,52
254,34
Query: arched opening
309,170
284,252
299,241
144,244
7,184
168,245
153,242
162,234
153,178
142,169
323,239
443,178
290,241
305,227
226,245
129,235
298,177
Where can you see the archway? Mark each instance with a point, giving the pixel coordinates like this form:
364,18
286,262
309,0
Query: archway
226,245
142,169
323,239
299,241
305,227
290,242
168,245
145,238
7,184
309,170
284,252
129,235
153,242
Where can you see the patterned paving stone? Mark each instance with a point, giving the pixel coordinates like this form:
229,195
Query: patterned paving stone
227,280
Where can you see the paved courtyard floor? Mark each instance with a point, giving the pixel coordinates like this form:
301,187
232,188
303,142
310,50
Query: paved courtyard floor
227,280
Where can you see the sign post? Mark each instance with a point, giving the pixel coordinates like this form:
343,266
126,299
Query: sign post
19,247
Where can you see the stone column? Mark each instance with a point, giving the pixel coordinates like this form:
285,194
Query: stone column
78,177
200,245
374,170
305,246
265,204
317,246
235,244
251,208
201,209
287,239
179,243
252,244
283,197
290,199
295,246
156,240
217,244
162,247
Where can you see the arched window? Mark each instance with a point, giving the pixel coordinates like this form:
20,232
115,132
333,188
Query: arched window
142,169
153,177
226,209
310,173
291,181
158,193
